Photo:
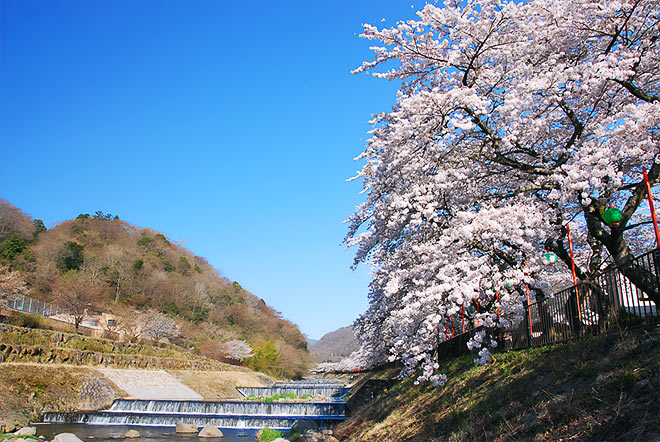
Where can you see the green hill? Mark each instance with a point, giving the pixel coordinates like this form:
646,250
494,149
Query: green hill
99,263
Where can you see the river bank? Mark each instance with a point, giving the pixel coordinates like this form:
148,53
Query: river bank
29,390
603,387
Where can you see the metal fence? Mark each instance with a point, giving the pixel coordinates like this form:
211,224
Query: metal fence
618,295
29,305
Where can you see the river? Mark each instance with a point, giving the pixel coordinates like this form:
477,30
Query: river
106,433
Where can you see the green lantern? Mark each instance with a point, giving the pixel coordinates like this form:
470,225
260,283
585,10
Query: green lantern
507,285
550,257
612,216
471,309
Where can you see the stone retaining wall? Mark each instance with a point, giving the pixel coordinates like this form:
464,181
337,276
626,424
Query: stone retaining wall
50,347
55,355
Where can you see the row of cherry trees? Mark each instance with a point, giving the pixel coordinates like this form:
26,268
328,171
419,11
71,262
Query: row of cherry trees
512,120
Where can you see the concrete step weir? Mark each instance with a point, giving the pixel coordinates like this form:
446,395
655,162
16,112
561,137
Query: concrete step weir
313,390
224,414
200,420
314,387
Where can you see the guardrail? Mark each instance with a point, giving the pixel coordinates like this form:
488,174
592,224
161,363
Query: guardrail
615,296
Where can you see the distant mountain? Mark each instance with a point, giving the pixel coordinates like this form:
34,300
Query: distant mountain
311,341
334,345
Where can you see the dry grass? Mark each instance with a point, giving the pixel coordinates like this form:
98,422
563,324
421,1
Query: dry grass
29,390
601,388
216,385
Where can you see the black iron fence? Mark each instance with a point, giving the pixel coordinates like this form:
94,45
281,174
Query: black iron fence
625,294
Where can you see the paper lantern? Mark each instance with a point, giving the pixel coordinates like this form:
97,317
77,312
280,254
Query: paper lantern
612,216
550,257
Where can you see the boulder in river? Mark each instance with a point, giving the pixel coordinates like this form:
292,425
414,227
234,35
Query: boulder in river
132,434
303,425
186,428
66,437
210,431
26,431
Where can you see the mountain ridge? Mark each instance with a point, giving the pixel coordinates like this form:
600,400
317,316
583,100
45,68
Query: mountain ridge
334,345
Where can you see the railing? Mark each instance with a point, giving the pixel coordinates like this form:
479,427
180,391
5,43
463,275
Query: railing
591,307
29,305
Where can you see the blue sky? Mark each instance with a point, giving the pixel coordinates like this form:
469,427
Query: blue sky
229,126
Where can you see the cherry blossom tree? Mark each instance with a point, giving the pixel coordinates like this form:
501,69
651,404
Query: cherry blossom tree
239,350
511,121
12,286
157,326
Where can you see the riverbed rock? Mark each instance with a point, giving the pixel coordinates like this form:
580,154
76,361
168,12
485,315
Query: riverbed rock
95,394
315,436
26,431
303,425
66,437
186,428
210,431
132,434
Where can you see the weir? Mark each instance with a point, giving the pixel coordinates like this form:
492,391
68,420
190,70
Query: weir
241,408
328,388
223,414
312,390
170,420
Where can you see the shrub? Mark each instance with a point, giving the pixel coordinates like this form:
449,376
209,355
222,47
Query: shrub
13,247
266,358
268,435
23,320
167,266
145,241
161,237
70,257
184,264
170,309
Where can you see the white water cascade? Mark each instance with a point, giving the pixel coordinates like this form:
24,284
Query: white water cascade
223,414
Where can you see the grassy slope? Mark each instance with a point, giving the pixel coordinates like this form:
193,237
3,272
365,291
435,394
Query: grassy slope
221,385
601,388
29,390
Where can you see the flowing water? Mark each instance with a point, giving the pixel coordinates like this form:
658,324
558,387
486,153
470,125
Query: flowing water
225,414
103,433
240,418
302,390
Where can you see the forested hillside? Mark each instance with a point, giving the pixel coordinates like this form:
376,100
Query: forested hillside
98,263
335,345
